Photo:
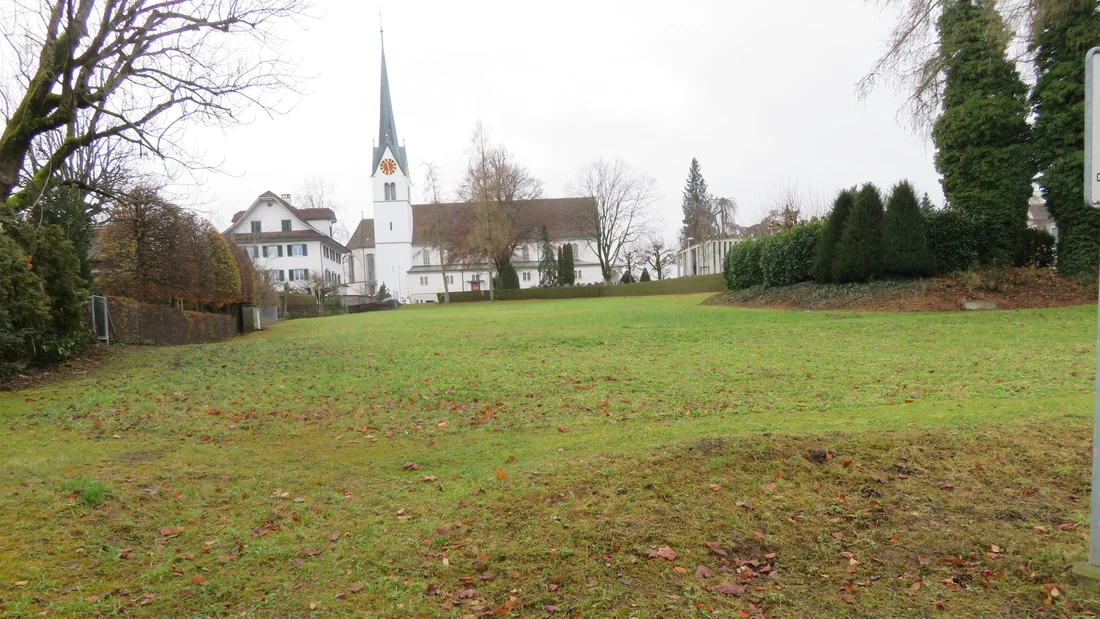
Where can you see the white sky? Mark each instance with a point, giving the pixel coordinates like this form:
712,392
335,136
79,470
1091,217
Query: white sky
763,93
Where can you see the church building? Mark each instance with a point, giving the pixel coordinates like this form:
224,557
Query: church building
394,247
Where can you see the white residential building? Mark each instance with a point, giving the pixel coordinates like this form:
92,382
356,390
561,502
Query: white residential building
294,245
394,247
703,258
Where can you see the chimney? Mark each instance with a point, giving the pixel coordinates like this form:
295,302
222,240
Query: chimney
286,197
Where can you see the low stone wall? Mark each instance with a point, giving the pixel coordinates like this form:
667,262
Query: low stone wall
133,322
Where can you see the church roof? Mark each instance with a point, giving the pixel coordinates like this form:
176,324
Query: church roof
563,218
363,235
387,126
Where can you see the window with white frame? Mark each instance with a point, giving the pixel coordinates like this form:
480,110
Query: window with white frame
450,279
578,273
526,253
370,267
423,280
427,257
277,275
257,227
273,251
526,276
299,275
296,250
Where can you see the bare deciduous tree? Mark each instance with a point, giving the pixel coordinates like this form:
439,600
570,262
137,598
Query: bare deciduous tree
134,71
657,254
444,233
621,212
913,63
317,192
501,189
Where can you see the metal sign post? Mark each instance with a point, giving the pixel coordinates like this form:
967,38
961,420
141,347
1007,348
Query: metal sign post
1087,575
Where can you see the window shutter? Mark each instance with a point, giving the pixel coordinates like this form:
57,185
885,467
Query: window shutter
304,253
282,276
265,251
305,273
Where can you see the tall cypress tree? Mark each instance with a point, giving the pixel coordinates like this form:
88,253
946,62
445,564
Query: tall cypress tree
566,274
982,137
695,223
858,255
830,235
548,262
905,250
1059,102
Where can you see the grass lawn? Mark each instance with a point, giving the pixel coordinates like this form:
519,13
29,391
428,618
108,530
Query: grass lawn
621,457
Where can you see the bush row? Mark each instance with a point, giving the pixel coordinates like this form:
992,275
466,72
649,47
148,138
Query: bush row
861,240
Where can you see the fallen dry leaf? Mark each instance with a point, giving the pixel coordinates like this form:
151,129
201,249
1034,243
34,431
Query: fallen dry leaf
703,571
197,579
664,552
729,588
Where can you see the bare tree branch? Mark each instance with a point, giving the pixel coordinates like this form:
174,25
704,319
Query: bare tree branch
134,71
621,212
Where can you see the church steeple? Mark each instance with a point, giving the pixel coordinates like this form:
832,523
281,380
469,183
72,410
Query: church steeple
387,127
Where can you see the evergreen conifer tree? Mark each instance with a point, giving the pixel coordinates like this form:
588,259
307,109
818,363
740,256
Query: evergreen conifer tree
696,223
566,274
1059,103
858,255
905,250
509,279
982,136
627,278
830,235
645,276
548,262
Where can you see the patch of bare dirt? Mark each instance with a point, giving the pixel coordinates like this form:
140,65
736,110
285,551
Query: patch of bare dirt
38,376
1011,289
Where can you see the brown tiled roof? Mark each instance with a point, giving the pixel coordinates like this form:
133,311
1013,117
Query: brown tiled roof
290,235
305,214
363,235
561,216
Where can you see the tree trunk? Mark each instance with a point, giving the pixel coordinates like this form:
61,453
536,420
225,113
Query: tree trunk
443,269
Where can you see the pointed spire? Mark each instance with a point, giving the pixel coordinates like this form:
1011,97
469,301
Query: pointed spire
387,126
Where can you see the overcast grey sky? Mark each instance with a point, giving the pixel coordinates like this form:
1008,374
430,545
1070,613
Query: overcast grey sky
762,93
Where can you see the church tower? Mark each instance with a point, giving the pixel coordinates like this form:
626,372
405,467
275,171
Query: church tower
393,219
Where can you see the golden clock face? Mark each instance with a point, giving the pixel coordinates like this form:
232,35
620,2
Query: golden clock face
389,166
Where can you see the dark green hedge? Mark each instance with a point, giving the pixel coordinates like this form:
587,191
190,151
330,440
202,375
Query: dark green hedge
741,268
788,257
679,285
952,240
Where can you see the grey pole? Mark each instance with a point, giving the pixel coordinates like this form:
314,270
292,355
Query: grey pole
1091,101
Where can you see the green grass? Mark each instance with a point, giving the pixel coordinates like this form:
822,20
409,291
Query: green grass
556,442
86,491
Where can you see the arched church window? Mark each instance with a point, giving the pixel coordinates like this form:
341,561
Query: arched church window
526,253
427,257
574,250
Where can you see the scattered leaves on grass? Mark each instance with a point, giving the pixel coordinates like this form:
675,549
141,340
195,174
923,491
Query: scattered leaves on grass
410,466
501,475
197,579
355,587
703,571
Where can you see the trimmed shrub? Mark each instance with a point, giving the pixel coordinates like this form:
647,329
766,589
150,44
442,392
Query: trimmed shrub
906,246
509,279
1035,248
830,235
567,274
951,240
645,276
741,268
627,278
788,256
858,256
